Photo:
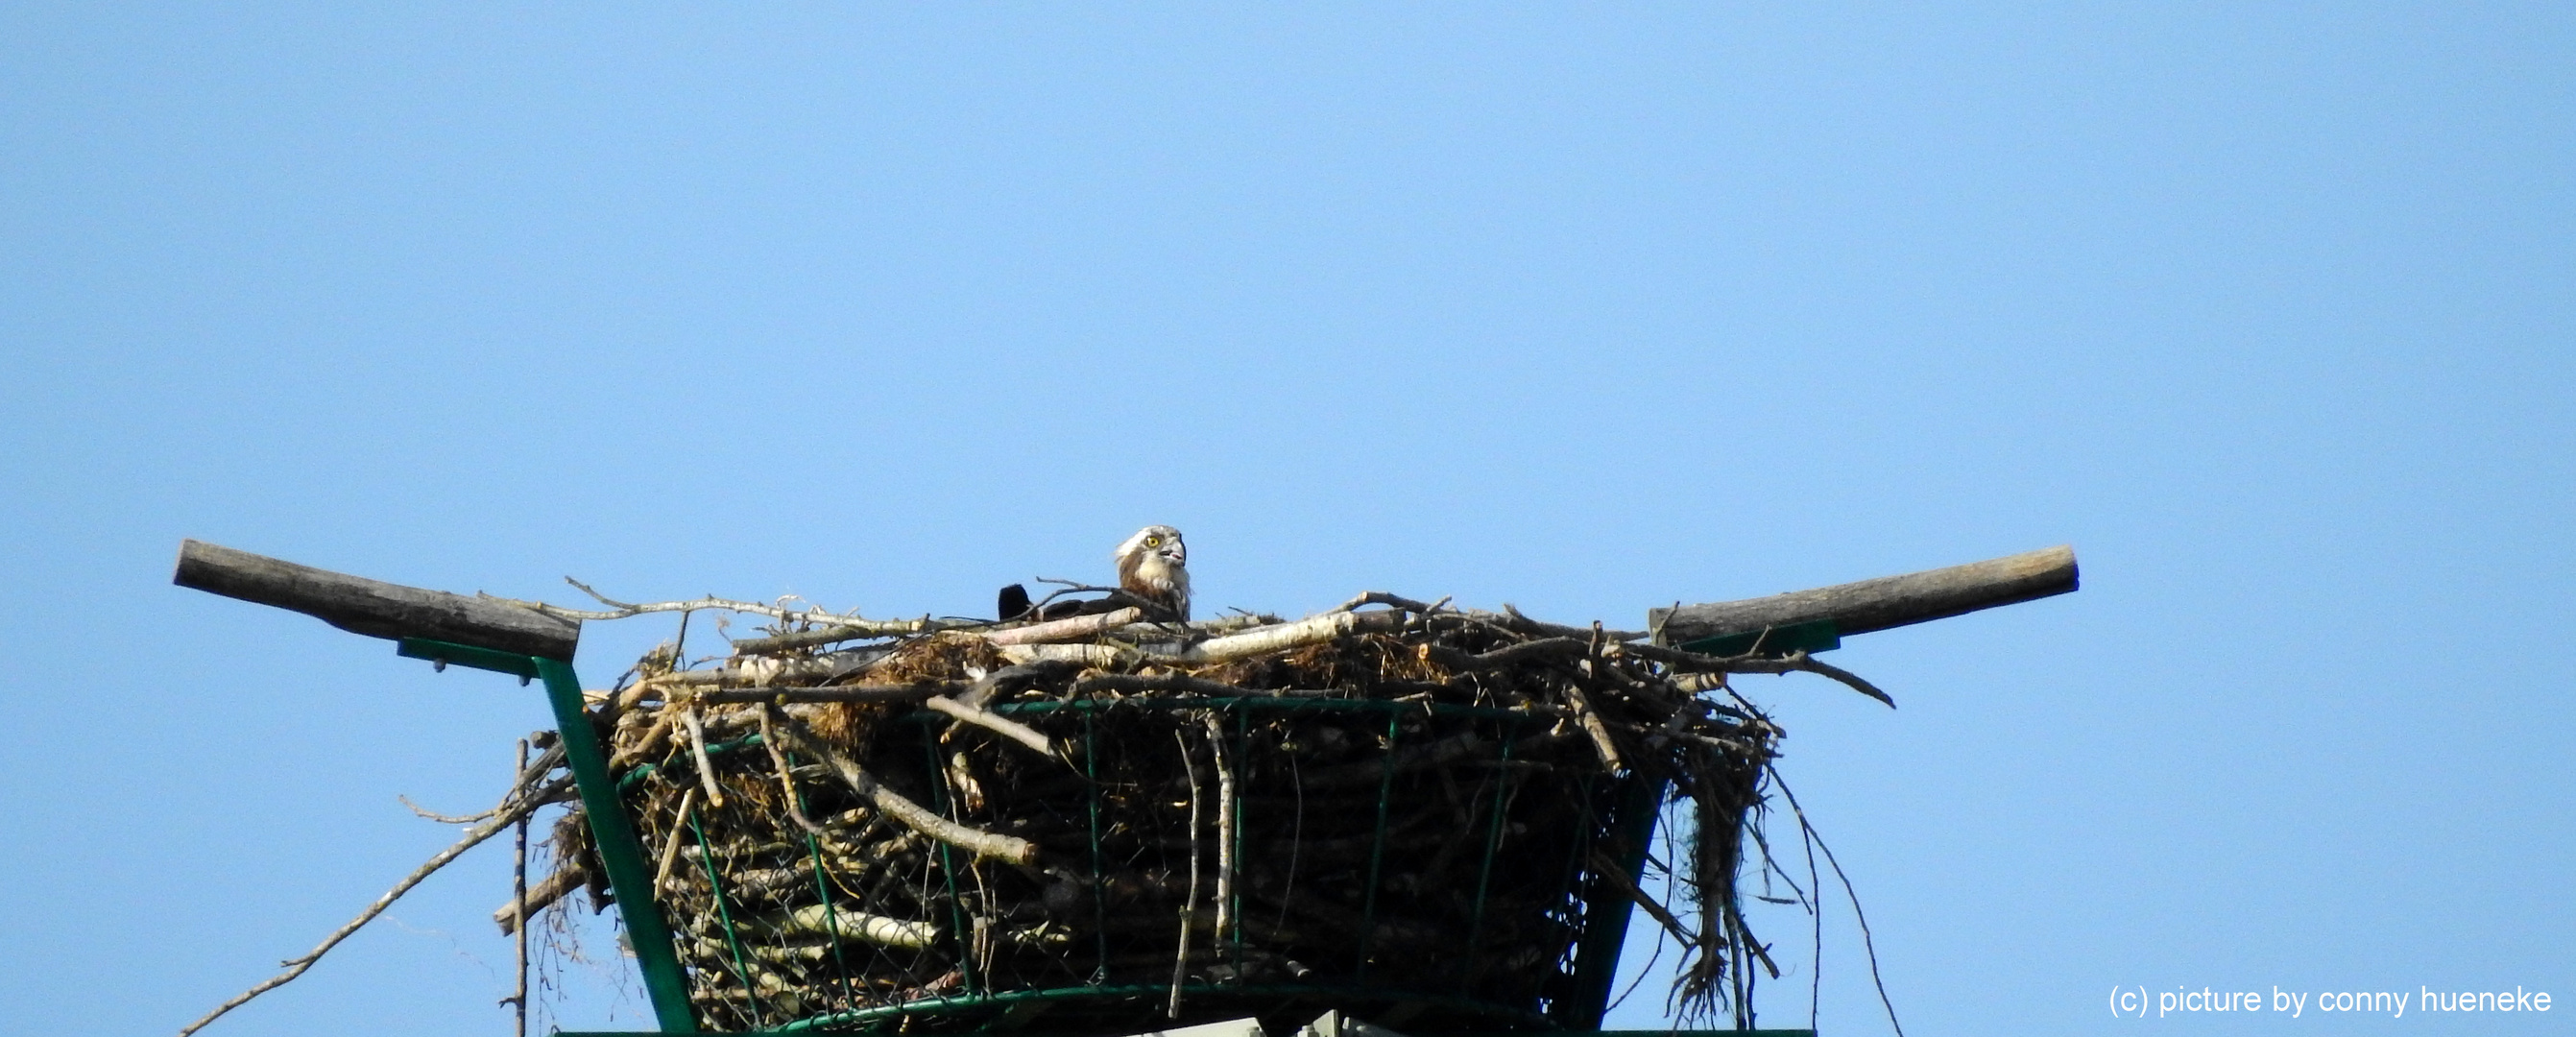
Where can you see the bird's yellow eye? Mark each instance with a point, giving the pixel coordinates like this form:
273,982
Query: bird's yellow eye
1153,541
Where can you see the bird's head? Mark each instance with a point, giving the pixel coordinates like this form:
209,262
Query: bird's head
1153,566
1157,543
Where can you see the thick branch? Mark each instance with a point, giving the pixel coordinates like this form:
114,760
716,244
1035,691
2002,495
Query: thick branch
994,722
1889,601
1265,640
568,876
1072,629
842,923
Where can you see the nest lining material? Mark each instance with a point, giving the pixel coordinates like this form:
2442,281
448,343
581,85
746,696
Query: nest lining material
1415,800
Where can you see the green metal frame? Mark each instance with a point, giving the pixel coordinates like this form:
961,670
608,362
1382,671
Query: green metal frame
612,833
1606,908
1631,823
1816,636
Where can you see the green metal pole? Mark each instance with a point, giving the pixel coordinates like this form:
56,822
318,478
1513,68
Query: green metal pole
619,851
1377,847
1606,908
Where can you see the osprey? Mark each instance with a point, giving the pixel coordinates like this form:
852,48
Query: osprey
1153,574
1151,567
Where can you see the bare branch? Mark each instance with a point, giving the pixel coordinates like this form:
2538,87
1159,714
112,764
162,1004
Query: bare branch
698,751
1066,629
994,722
568,876
474,836
786,774
844,693
446,819
624,610
1004,847
1382,598
1511,619
1798,662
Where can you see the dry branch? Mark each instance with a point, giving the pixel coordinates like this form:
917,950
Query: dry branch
1000,725
1795,662
567,876
1072,629
783,694
986,844
474,836
1265,640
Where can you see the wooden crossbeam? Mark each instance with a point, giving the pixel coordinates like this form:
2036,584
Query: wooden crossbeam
373,607
1888,601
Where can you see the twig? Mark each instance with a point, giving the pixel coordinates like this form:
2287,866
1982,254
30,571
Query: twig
786,774
1816,911
473,837
1692,662
987,844
1590,718
445,819
647,745
1511,619
528,775
698,751
680,642
1189,905
1383,598
1866,943
1800,661
1603,866
1225,822
671,845
1160,682
843,693
518,999
624,610
1509,655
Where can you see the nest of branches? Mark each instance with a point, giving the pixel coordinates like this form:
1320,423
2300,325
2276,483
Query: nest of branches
1402,809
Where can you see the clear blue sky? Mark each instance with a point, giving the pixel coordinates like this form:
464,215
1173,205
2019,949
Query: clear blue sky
2265,308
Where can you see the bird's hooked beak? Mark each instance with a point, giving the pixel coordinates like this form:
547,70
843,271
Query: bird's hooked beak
1174,552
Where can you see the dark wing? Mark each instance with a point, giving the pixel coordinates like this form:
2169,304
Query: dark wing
1013,603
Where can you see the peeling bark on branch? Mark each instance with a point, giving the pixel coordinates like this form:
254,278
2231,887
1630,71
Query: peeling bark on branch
990,721
1066,629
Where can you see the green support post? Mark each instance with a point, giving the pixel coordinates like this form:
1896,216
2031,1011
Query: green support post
1606,908
619,851
612,835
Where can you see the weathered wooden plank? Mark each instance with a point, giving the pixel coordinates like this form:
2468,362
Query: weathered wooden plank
1889,601
373,607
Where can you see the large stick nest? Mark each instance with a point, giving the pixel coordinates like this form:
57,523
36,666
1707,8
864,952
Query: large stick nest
1407,811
